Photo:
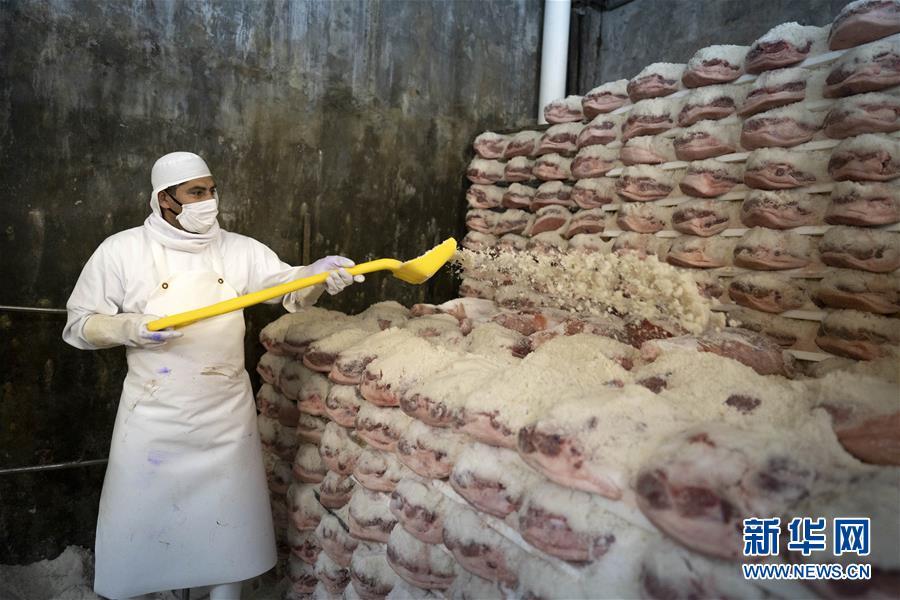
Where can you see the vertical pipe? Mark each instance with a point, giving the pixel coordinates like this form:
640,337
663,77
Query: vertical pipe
554,53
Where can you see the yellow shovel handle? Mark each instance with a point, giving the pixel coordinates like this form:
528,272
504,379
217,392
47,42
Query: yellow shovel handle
227,306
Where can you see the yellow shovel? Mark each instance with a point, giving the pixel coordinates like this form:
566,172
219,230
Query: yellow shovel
415,271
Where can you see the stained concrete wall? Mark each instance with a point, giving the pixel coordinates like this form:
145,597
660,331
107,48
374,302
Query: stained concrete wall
618,43
359,112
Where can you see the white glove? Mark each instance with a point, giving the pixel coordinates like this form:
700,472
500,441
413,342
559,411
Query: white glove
339,278
126,329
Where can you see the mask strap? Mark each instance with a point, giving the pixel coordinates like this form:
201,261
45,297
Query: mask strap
176,202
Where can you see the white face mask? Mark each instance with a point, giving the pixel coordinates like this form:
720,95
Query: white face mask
198,217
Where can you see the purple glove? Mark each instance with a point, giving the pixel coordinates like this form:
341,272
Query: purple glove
339,278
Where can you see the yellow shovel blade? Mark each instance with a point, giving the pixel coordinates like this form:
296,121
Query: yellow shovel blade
416,271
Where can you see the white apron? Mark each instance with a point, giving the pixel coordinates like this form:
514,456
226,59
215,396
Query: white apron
185,501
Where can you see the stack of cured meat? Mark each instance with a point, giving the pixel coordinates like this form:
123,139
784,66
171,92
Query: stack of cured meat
769,171
465,450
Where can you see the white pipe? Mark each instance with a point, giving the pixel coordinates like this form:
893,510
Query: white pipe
554,53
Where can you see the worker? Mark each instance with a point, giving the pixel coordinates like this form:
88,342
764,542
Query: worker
185,502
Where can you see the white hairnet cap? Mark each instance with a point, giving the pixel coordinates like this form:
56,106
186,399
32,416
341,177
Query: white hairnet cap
172,169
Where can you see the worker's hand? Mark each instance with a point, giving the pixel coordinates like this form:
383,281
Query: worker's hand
126,329
339,278
151,339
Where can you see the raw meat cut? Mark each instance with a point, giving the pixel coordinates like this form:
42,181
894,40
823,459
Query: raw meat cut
512,221
594,161
864,21
784,45
586,221
710,178
797,334
783,209
551,193
863,204
519,169
303,544
643,183
706,139
564,110
303,507
863,249
380,427
308,466
702,217
650,117
370,517
518,196
594,193
865,113
782,127
602,130
370,574
656,80
647,150
269,368
856,334
866,292
421,564
560,139
272,335
335,490
641,244
468,586
478,242
278,474
490,145
549,218
553,167
272,403
275,438
429,451
485,171
700,253
472,288
768,293
331,575
779,88
524,143
605,98
710,104
350,365
866,157
777,169
484,196
763,249
321,354
419,509
384,314
479,549
302,576
714,64
379,471
643,218
867,69
482,221
338,450
493,480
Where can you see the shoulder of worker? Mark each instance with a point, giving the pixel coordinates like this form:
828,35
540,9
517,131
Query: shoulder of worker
241,243
125,239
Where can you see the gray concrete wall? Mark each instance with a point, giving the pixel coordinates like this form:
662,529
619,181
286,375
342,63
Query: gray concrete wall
618,43
362,112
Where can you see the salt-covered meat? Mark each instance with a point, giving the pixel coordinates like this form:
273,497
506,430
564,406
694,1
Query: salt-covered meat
643,218
484,196
370,574
551,193
865,113
866,292
479,549
560,139
269,368
549,218
312,393
303,507
403,590
864,21
643,183
485,171
335,490
332,576
647,150
338,450
303,544
856,334
548,242
869,68
528,321
777,169
478,242
421,564
512,221
714,64
768,293
482,220
310,428
278,474
553,167
594,161
468,586
517,297
784,45
700,253
756,351
419,509
518,169
710,104
469,312
272,335
592,443
863,204
385,377
862,249
276,438
656,80
493,480
351,363
778,88
379,471
524,143
472,288
273,403
321,354
571,525
605,98
302,576
490,145
763,249
782,127
429,451
594,193
866,157
701,483
300,335
797,334
518,196
586,222
702,217
642,244
564,110
384,315
783,209
381,427
650,117
710,178
706,139
308,466
601,130
370,517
